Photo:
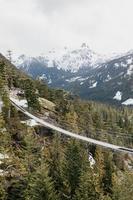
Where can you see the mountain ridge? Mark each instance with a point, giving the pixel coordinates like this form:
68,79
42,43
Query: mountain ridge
99,80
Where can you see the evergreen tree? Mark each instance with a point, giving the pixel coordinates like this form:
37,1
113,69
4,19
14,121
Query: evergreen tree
87,189
123,187
55,162
16,189
40,186
71,118
108,174
42,89
31,94
99,167
2,188
72,168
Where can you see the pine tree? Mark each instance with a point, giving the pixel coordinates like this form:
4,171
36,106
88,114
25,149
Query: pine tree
16,189
99,158
40,186
72,168
88,186
123,186
55,162
71,118
42,89
2,189
4,90
108,174
31,94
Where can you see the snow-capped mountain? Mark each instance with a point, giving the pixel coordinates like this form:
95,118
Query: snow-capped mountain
75,59
65,59
85,73
111,82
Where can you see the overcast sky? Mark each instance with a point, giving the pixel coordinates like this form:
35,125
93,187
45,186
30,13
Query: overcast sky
36,26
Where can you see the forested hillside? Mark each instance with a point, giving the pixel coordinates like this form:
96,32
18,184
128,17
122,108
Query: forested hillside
44,165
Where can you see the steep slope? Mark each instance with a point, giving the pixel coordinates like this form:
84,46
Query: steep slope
111,82
11,70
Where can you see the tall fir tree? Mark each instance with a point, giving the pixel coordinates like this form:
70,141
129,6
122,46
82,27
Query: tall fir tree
40,186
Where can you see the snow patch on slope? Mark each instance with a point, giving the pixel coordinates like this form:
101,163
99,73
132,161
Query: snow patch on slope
30,122
118,96
128,102
129,61
77,78
91,160
73,79
94,85
130,70
108,78
43,77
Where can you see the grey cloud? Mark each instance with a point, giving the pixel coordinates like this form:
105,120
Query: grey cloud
49,6
35,26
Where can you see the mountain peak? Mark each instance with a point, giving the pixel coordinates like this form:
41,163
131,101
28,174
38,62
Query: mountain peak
67,59
84,45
